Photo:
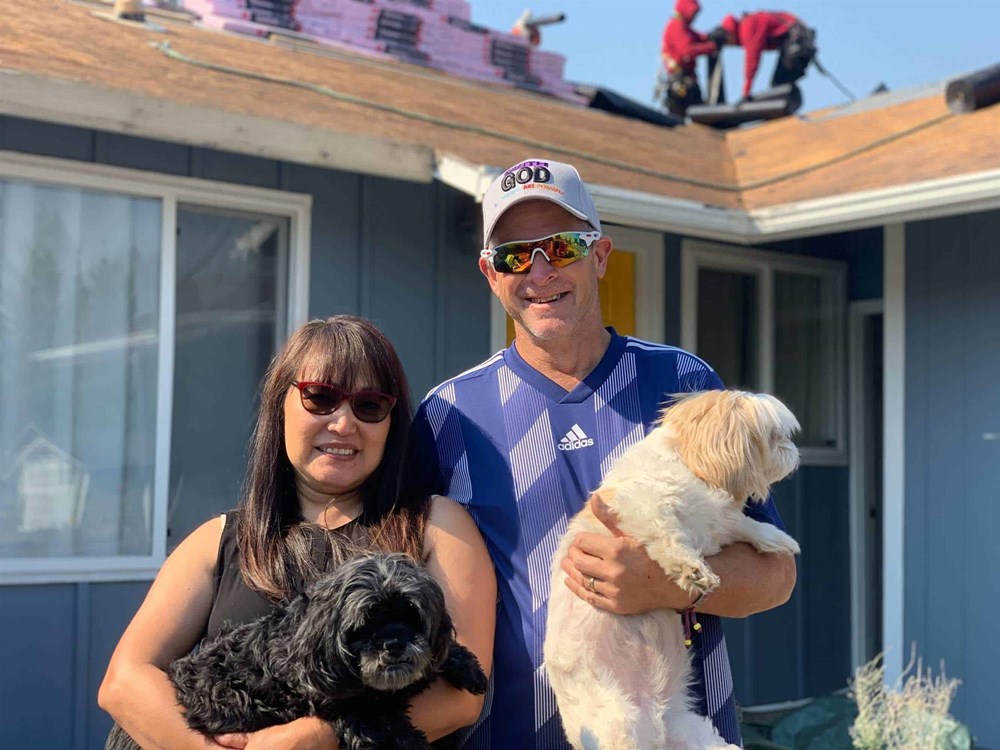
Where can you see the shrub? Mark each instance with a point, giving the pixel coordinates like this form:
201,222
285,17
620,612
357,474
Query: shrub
910,715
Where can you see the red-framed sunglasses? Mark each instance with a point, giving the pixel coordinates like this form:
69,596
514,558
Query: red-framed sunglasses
324,398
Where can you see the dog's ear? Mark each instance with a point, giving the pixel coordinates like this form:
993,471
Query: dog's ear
777,424
723,438
316,640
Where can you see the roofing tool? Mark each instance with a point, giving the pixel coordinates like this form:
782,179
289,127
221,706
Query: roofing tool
844,90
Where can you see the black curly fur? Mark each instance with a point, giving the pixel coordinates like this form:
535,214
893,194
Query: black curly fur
352,649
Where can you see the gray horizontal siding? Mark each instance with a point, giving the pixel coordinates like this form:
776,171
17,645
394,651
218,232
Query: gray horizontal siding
952,504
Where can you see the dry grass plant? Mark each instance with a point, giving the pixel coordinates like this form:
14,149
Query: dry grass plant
912,714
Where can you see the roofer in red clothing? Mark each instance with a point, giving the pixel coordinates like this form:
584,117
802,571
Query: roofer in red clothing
680,49
756,32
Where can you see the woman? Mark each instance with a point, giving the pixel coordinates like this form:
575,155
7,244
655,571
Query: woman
323,478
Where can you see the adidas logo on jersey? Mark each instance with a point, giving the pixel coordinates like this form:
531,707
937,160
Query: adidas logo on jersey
575,438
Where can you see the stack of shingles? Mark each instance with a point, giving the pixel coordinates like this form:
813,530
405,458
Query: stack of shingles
256,17
436,33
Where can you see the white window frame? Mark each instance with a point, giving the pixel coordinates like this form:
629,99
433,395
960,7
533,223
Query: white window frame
698,254
650,267
171,191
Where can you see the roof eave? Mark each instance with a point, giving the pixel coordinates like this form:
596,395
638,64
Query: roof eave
929,199
86,105
915,201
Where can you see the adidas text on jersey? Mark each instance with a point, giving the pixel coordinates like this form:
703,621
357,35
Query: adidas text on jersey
575,439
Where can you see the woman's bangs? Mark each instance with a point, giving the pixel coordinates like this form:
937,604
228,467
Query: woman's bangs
344,362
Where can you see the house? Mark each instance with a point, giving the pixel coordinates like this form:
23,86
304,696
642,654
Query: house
174,200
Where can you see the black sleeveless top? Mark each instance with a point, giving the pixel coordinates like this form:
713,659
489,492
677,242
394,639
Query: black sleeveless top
233,600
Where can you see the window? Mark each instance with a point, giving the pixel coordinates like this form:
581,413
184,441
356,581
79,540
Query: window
125,300
773,323
79,306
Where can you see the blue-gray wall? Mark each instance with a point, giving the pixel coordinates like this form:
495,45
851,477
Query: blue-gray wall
400,253
55,642
952,500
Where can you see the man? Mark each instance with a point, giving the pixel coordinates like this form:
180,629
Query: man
680,49
522,439
756,32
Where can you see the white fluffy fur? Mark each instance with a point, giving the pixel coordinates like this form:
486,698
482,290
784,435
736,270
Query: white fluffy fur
621,681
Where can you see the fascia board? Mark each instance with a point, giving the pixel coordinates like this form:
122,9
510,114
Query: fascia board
928,199
86,105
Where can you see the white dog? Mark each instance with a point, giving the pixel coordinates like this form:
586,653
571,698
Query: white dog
621,680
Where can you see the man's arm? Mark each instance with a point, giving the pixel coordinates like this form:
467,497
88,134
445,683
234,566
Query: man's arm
627,581
704,46
754,39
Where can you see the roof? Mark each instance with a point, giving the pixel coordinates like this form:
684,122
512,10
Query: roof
288,99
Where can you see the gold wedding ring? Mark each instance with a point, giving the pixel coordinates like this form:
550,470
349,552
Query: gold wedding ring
591,584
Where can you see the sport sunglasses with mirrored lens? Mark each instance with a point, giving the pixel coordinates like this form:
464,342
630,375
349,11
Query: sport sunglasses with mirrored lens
323,398
558,249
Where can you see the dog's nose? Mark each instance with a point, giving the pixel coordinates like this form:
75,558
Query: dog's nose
394,646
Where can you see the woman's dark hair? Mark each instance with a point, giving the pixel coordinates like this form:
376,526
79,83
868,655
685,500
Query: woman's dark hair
275,545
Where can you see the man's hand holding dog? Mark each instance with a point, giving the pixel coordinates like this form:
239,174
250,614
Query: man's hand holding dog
626,581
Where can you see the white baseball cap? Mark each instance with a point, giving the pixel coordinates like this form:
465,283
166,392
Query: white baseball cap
537,179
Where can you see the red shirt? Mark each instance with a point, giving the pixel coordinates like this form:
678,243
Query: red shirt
682,44
757,32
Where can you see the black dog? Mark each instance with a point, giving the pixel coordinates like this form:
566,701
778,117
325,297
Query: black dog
352,649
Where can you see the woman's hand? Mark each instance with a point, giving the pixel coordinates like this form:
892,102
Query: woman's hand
308,733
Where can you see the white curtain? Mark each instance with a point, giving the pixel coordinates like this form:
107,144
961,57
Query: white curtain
79,301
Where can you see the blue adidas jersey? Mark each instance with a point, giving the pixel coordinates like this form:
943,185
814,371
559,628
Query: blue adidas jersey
522,455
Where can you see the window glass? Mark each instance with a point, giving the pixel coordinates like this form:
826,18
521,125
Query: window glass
79,322
231,271
805,373
729,326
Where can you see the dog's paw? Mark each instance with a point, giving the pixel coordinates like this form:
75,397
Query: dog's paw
462,670
778,541
697,578
765,537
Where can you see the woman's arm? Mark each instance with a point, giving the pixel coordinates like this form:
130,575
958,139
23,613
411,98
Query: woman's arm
136,690
458,560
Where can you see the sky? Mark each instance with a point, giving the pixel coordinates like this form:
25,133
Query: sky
616,43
